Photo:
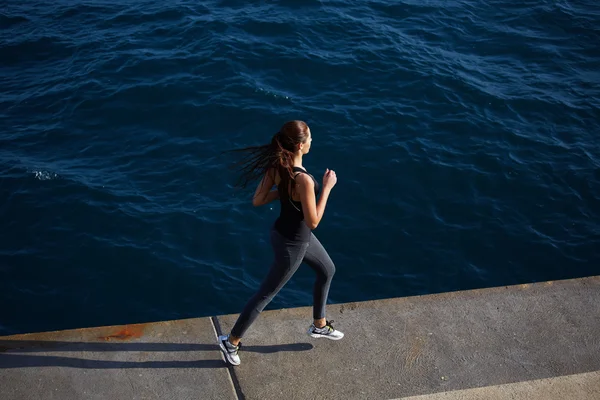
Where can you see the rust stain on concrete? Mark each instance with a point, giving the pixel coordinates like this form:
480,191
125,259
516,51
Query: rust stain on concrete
129,332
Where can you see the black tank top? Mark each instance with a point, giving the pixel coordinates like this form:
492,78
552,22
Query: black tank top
290,223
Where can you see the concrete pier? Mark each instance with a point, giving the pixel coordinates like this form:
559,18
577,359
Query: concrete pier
532,341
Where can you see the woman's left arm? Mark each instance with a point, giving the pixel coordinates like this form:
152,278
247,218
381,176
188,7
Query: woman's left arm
263,194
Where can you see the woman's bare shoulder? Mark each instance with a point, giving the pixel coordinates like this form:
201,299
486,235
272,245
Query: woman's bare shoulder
304,179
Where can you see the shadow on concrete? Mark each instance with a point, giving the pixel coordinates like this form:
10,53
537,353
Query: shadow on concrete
23,361
17,354
23,346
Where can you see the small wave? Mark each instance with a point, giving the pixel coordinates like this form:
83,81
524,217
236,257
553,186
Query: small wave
8,21
35,49
45,175
272,93
135,15
95,11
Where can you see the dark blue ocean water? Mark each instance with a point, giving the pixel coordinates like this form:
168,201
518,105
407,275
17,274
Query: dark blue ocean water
465,137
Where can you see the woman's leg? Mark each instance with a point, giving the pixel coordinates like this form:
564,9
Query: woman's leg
288,257
317,258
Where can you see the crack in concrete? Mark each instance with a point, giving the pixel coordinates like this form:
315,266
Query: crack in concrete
235,383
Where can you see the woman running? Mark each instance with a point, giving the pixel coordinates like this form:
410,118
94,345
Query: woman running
280,163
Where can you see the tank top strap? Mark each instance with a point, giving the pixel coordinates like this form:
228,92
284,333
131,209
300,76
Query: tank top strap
303,171
298,169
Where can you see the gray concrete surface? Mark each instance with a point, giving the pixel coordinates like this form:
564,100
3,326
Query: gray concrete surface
508,342
164,360
420,345
570,387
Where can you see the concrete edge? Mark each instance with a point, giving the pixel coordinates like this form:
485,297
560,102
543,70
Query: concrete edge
350,305
572,387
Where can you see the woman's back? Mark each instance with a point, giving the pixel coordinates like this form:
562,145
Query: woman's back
290,222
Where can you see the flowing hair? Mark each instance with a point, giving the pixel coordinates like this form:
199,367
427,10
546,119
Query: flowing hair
277,156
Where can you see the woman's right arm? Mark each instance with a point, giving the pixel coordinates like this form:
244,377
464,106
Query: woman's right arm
313,210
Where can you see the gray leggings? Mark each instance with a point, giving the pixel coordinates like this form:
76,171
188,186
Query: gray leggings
288,257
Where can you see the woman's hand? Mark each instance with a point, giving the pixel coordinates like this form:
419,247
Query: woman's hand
329,179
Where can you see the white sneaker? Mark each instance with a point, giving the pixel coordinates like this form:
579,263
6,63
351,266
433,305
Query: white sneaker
230,351
327,332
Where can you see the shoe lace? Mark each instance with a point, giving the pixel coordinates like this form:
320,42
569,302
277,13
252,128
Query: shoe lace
329,325
237,348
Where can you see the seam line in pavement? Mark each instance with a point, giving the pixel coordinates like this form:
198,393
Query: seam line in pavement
230,368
